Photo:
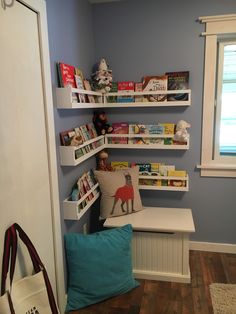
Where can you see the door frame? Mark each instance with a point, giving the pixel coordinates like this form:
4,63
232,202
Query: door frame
39,6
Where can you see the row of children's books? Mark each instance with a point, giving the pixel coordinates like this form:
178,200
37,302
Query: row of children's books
71,76
168,81
164,129
78,135
83,185
155,171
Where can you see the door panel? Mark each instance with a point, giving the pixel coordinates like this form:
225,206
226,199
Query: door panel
24,166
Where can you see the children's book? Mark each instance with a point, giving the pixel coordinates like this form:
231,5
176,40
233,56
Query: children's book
114,89
66,137
155,83
144,168
117,165
169,128
79,84
164,169
125,87
91,129
138,129
178,80
85,132
120,128
88,87
138,87
66,75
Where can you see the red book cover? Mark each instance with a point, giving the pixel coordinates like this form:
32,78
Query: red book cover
126,86
66,75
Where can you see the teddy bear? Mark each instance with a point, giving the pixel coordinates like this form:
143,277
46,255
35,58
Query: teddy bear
102,78
181,133
102,161
100,123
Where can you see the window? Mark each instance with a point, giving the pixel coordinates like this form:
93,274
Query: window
219,101
225,124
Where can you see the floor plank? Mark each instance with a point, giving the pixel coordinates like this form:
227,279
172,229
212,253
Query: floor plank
160,297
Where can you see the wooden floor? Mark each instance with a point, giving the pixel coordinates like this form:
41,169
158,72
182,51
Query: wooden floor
156,297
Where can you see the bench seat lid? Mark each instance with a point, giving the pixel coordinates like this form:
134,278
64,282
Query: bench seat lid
156,219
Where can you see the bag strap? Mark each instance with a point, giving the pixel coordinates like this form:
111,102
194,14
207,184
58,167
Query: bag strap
9,256
38,265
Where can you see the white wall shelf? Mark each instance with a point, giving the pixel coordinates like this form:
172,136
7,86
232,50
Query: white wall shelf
67,153
71,208
165,188
144,146
65,100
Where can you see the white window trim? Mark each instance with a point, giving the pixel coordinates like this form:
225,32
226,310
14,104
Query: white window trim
215,26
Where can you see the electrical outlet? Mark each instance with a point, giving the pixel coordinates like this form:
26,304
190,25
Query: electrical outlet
85,231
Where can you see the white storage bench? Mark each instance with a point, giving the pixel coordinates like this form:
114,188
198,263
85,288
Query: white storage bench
160,245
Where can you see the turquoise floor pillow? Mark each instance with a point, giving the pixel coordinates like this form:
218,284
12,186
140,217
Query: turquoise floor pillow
99,266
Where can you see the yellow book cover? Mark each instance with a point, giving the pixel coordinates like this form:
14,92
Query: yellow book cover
177,173
116,165
169,128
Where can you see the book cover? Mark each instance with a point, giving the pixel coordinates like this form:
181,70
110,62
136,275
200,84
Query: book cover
125,87
164,169
114,89
155,167
85,132
120,128
177,173
178,80
66,75
88,87
169,128
144,168
79,84
138,129
91,129
66,137
155,83
155,129
117,165
78,153
138,87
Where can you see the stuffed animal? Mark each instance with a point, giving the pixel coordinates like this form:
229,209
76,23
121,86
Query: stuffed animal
100,123
102,161
102,78
181,133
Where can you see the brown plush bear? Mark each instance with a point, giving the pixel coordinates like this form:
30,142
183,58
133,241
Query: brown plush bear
100,123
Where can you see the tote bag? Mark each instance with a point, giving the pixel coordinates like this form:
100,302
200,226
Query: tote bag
31,294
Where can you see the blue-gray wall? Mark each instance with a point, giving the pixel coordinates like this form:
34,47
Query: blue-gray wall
71,40
151,37
142,37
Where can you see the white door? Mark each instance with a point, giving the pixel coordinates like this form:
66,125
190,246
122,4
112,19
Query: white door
27,194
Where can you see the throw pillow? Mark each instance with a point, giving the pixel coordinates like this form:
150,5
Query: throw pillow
120,192
99,266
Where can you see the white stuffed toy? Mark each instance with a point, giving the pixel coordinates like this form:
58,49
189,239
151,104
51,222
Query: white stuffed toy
181,133
102,78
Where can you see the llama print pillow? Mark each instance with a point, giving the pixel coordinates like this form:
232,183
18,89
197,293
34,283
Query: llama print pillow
120,193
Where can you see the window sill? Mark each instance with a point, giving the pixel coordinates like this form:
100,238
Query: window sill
217,170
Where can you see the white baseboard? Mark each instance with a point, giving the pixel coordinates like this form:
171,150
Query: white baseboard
213,247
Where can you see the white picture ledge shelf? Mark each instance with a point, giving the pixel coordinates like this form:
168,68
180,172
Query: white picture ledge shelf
65,100
71,208
68,153
165,188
